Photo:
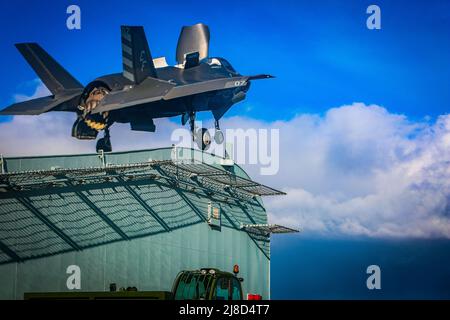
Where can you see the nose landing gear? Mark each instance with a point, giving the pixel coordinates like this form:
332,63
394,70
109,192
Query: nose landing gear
200,135
203,139
218,134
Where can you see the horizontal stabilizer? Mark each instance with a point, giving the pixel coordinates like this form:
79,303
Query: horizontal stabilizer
52,74
31,107
65,102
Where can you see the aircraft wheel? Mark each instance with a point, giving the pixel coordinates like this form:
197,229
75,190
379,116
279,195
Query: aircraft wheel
103,144
218,137
203,139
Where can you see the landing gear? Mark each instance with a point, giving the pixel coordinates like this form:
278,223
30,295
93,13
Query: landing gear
192,124
200,136
88,125
82,131
218,134
185,118
104,143
203,139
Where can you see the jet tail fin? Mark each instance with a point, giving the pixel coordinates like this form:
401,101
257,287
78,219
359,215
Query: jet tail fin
54,76
136,57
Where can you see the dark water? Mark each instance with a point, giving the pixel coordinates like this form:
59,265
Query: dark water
309,268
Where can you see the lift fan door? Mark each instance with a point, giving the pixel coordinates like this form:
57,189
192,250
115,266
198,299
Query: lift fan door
193,39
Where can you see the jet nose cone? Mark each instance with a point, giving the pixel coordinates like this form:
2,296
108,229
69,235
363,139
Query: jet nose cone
246,87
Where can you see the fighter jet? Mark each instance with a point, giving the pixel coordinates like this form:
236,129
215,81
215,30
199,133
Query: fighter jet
146,88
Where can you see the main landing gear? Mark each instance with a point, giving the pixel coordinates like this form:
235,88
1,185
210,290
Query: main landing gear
104,143
201,135
218,134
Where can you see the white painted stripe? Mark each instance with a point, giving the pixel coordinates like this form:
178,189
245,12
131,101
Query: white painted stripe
127,62
128,75
127,49
126,35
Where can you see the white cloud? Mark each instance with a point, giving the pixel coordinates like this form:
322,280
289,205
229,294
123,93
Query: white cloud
357,170
40,91
50,133
360,170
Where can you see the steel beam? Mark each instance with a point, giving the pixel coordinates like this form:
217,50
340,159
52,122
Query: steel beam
190,204
25,202
144,205
10,253
103,216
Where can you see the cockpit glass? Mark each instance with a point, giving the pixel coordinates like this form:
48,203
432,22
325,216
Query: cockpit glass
227,65
220,63
214,62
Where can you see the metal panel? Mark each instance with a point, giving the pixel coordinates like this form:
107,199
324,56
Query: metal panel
8,253
150,263
4,257
27,204
25,234
121,192
124,211
169,205
147,208
71,214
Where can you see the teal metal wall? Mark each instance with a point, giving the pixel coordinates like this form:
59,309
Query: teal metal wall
149,263
139,233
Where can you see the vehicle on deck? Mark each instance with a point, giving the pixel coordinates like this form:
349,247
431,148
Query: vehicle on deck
203,284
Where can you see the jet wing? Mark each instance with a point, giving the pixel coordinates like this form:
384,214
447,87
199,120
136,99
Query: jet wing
149,90
66,101
206,86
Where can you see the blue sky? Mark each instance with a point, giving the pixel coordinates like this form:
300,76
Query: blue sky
368,183
323,268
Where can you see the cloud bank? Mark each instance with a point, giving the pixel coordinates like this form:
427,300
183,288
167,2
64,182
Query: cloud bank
360,170
357,170
40,91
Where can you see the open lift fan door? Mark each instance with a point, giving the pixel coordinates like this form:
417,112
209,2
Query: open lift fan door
193,39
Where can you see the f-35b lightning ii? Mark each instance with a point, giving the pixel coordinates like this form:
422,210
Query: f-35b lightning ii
146,89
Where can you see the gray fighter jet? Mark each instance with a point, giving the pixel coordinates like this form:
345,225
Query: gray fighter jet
146,89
